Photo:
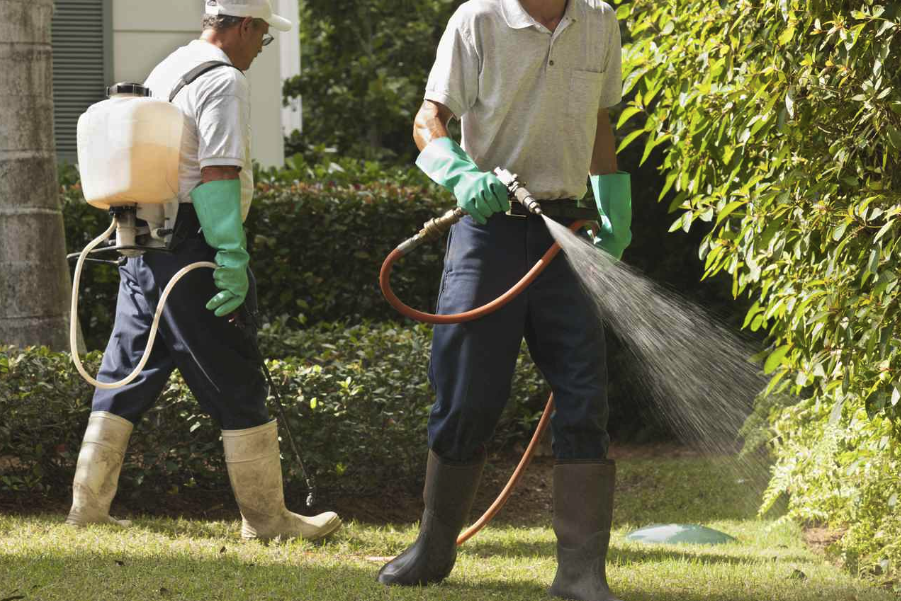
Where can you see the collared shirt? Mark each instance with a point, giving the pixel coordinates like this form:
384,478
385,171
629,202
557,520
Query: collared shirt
528,98
216,107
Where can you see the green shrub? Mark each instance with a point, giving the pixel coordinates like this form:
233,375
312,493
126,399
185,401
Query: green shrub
323,165
357,400
781,128
316,250
839,466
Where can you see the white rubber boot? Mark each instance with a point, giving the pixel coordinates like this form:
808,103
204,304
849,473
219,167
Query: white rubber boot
97,471
255,471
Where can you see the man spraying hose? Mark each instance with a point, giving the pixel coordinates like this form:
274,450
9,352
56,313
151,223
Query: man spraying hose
198,334
531,81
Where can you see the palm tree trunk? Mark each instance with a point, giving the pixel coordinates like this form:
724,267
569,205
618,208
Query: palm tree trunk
34,277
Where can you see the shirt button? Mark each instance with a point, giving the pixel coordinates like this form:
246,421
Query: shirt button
551,63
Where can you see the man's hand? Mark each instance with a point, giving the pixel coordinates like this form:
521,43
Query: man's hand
479,193
217,203
613,195
612,192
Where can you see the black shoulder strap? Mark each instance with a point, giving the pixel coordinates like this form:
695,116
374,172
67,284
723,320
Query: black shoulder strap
189,77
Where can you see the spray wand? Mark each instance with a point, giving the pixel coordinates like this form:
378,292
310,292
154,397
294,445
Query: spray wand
436,228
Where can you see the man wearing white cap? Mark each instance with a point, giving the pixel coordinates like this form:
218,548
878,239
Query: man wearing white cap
208,328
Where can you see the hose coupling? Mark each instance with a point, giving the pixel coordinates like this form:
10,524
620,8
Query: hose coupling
433,229
437,227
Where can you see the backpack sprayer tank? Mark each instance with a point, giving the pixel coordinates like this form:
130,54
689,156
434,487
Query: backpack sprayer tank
128,155
129,148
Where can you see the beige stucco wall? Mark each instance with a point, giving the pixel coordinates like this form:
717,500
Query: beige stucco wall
146,32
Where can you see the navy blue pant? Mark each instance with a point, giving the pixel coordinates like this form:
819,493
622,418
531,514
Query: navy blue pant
472,363
217,359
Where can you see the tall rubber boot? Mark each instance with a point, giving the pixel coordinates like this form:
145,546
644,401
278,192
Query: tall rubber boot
449,492
97,471
583,513
255,471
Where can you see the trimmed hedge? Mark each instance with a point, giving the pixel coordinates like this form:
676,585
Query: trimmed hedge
316,251
357,399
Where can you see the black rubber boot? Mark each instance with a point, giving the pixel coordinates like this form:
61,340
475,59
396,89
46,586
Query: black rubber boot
583,513
448,494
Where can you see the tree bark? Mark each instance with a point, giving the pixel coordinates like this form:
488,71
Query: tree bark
34,276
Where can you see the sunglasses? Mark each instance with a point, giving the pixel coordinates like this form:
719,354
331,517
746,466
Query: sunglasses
267,38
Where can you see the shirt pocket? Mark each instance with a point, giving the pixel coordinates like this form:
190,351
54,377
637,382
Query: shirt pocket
584,95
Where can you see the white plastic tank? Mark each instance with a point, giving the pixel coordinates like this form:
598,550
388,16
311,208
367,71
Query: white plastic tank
128,148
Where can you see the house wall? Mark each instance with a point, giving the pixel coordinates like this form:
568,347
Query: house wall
144,33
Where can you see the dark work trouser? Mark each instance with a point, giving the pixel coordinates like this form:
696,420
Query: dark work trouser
472,363
217,359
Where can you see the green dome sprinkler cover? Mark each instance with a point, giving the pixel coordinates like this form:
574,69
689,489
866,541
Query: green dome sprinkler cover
674,534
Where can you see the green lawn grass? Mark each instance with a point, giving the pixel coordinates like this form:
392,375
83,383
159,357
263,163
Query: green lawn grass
41,558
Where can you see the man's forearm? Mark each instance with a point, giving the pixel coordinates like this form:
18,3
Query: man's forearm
603,158
219,172
430,123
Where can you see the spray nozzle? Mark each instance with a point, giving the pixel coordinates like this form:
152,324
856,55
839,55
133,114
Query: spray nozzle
518,191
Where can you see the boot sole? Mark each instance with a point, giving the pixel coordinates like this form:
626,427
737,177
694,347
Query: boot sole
77,523
331,530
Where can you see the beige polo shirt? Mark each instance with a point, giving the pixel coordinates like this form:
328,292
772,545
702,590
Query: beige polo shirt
528,98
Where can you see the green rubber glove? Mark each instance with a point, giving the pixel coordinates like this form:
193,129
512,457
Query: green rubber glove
218,207
613,195
478,193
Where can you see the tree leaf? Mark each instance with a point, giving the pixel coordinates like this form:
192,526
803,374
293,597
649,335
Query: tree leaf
728,210
775,359
628,140
628,113
787,35
836,413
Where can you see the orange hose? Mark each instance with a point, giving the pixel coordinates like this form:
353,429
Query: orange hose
514,479
403,309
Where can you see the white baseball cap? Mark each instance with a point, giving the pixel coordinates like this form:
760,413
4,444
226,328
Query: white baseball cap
258,9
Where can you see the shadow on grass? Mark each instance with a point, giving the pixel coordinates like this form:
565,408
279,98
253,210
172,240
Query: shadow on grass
195,529
618,555
55,574
122,576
